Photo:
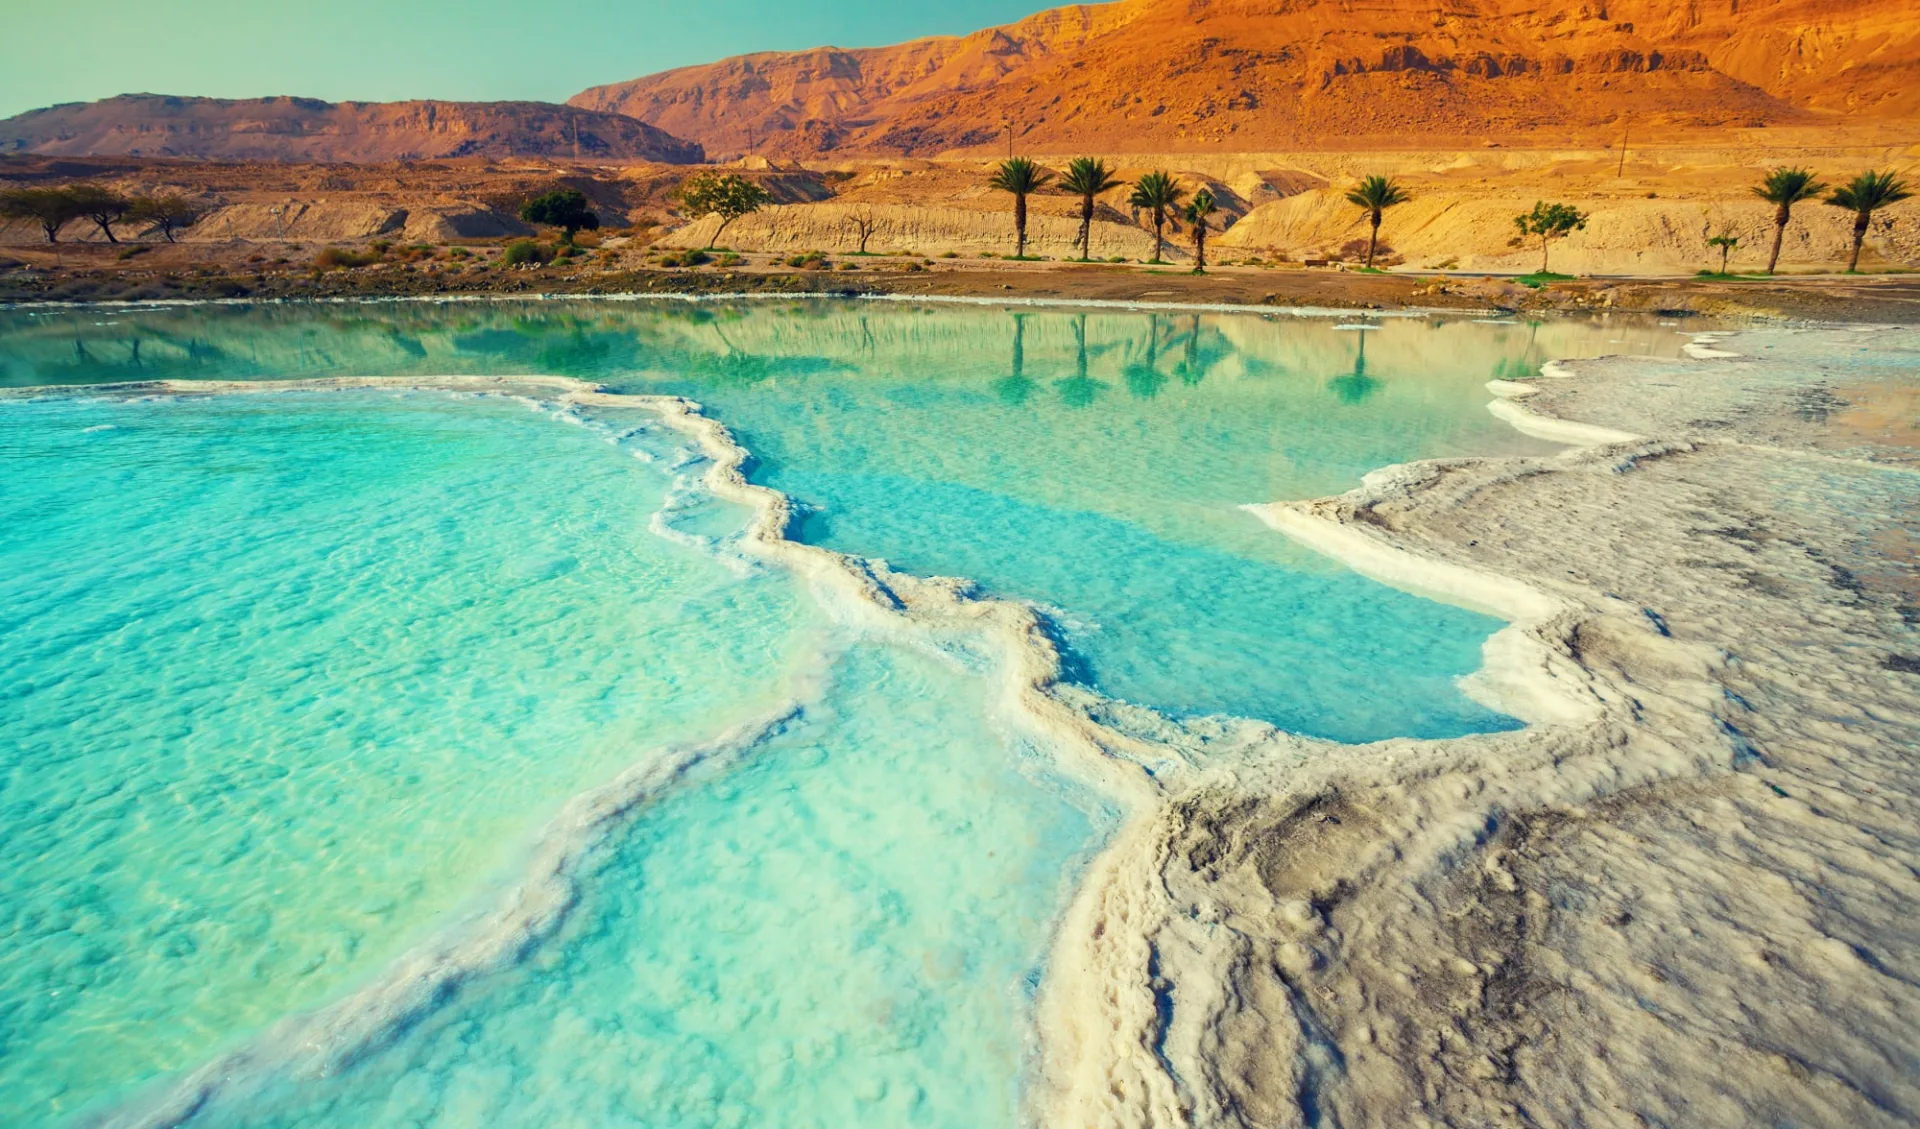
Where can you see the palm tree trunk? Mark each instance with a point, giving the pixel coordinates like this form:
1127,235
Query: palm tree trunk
1159,234
1020,226
1859,236
1373,241
1200,247
1545,240
1780,219
1086,228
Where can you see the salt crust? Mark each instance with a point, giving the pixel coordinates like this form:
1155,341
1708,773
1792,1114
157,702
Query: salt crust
1685,894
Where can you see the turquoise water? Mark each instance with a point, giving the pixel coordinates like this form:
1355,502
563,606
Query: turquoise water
288,676
1090,463
297,679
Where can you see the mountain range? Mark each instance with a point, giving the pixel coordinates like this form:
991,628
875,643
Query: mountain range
1139,76
307,129
1251,75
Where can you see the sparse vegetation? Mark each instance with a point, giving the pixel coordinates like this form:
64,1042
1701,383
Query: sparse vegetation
810,260
1019,177
1157,193
1549,222
693,258
726,195
1864,195
1783,188
1375,195
1087,178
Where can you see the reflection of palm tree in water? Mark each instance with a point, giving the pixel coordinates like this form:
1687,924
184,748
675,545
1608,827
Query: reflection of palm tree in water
1078,390
1144,379
1014,388
1191,373
1353,387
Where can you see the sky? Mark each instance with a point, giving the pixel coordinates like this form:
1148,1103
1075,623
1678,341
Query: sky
383,50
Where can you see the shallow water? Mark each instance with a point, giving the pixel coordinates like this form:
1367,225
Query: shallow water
1091,463
299,677
289,676
834,931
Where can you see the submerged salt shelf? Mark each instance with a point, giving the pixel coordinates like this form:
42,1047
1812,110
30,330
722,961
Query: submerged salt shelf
306,673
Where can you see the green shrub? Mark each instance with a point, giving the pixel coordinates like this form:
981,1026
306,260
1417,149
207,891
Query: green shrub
131,252
810,260
692,258
949,254
522,251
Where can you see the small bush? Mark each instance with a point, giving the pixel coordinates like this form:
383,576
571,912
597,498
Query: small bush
915,267
692,258
810,260
522,251
949,254
849,266
730,260
381,246
343,258
459,253
132,251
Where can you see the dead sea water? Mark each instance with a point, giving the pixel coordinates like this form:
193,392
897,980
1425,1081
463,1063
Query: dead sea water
295,680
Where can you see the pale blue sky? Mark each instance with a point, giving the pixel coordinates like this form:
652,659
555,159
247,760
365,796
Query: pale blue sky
380,50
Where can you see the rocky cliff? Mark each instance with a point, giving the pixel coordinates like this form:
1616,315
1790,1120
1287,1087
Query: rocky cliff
1161,75
306,129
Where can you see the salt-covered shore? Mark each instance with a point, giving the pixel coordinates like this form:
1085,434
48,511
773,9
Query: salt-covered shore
1687,895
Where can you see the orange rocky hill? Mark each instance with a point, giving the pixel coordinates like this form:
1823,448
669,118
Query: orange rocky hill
307,129
1253,75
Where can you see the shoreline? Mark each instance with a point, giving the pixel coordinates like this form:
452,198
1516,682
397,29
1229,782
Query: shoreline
1446,931
1273,931
1893,298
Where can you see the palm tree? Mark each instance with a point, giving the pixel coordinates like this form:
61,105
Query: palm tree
1197,213
1783,188
1087,178
1865,194
1021,177
1376,194
1157,191
1726,241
